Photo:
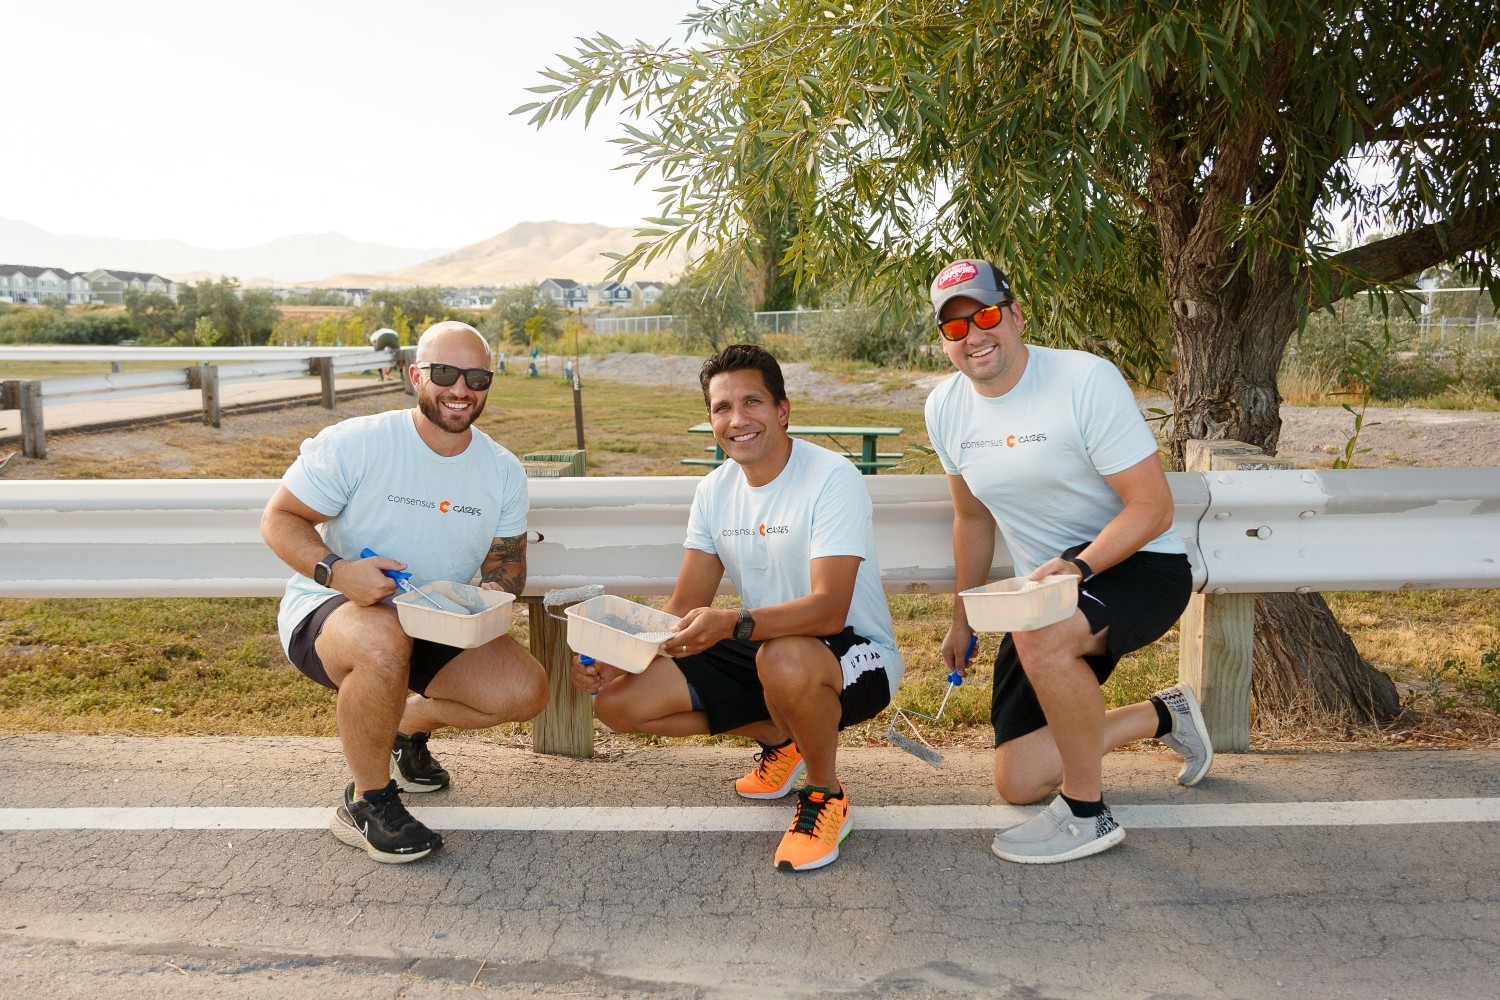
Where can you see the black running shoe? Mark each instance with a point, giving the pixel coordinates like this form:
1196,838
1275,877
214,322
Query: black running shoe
378,822
412,765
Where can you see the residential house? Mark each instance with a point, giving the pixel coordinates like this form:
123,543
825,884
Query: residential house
20,283
566,292
610,293
111,285
647,292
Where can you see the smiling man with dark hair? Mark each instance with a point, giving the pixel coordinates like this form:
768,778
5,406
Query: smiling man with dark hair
812,648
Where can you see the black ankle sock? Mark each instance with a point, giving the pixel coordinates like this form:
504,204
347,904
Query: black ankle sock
1084,810
1163,717
779,746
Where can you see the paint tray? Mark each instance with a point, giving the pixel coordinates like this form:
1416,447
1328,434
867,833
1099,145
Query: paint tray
1019,604
488,619
619,632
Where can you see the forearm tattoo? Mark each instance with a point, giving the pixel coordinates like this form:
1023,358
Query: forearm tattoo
506,564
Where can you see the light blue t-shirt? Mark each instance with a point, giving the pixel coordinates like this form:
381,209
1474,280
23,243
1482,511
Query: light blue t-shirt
767,536
385,490
1037,456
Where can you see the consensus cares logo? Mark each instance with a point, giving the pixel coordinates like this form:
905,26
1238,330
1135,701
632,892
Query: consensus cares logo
448,507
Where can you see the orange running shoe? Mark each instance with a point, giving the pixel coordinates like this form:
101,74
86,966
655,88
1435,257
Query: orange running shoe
814,837
776,770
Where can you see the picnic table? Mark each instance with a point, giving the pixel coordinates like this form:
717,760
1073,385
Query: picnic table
868,459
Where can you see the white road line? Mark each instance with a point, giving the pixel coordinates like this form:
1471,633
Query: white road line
756,819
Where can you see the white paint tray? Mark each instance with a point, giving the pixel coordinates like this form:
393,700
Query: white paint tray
1019,604
621,633
421,621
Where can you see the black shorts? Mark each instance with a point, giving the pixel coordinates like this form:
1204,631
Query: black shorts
1138,601
726,685
427,657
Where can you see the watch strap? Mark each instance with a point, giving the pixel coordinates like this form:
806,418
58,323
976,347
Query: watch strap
1084,569
745,626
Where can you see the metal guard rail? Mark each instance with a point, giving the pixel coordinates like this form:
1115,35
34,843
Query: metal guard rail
1246,532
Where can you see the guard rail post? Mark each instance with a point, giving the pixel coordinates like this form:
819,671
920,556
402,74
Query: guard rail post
323,368
208,382
405,358
26,395
1216,634
566,725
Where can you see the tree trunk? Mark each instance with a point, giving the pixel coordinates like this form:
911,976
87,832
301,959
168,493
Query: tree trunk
1303,660
1232,327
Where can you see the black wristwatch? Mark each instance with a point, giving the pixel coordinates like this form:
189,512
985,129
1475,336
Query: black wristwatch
745,625
323,571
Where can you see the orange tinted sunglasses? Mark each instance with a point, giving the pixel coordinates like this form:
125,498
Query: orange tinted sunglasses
986,319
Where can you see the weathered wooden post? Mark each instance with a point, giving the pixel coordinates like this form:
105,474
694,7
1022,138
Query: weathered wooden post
566,725
26,395
208,381
323,368
1216,632
405,358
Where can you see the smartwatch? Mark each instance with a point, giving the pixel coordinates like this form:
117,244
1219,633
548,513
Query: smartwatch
745,625
323,571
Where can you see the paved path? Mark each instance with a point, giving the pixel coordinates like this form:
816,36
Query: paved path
157,406
638,874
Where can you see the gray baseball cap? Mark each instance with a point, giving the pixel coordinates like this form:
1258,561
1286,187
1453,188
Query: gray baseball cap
975,279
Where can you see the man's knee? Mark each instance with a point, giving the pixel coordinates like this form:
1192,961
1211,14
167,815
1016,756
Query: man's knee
1016,783
382,656
782,664
616,713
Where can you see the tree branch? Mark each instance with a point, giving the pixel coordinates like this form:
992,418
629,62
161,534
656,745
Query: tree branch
1415,250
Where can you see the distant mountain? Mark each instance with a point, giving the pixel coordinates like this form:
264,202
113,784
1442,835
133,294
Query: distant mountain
525,253
285,260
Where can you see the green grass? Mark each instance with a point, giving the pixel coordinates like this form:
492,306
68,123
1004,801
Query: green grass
193,667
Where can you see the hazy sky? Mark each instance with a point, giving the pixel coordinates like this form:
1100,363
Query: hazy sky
227,123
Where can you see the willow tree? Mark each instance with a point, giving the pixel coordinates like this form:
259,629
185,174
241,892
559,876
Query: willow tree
1163,181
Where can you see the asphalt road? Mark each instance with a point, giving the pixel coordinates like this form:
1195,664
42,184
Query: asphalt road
638,874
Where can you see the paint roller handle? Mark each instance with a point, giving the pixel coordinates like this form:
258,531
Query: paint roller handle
955,678
400,576
587,661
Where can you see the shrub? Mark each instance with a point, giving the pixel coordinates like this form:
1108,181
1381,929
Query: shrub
877,337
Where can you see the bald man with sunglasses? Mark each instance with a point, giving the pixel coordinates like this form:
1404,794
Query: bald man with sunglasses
443,501
1049,445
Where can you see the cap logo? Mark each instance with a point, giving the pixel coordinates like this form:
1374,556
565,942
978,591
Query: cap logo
956,274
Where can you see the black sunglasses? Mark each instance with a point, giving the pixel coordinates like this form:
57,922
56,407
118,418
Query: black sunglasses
478,379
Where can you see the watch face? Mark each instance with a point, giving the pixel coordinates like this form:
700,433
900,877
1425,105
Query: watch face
322,572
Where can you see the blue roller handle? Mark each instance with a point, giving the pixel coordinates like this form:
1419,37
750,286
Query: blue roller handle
955,678
586,661
400,576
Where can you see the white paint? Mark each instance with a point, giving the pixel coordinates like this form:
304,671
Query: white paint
760,819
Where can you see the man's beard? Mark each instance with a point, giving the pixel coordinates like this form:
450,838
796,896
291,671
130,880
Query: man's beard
446,418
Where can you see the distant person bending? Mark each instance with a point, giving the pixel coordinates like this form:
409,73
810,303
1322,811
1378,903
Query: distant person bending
432,495
385,339
811,651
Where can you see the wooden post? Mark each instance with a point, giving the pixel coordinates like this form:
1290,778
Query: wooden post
33,430
566,725
323,368
404,360
208,381
1214,654
1217,631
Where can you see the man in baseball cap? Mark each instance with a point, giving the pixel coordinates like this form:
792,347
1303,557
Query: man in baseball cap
1049,446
